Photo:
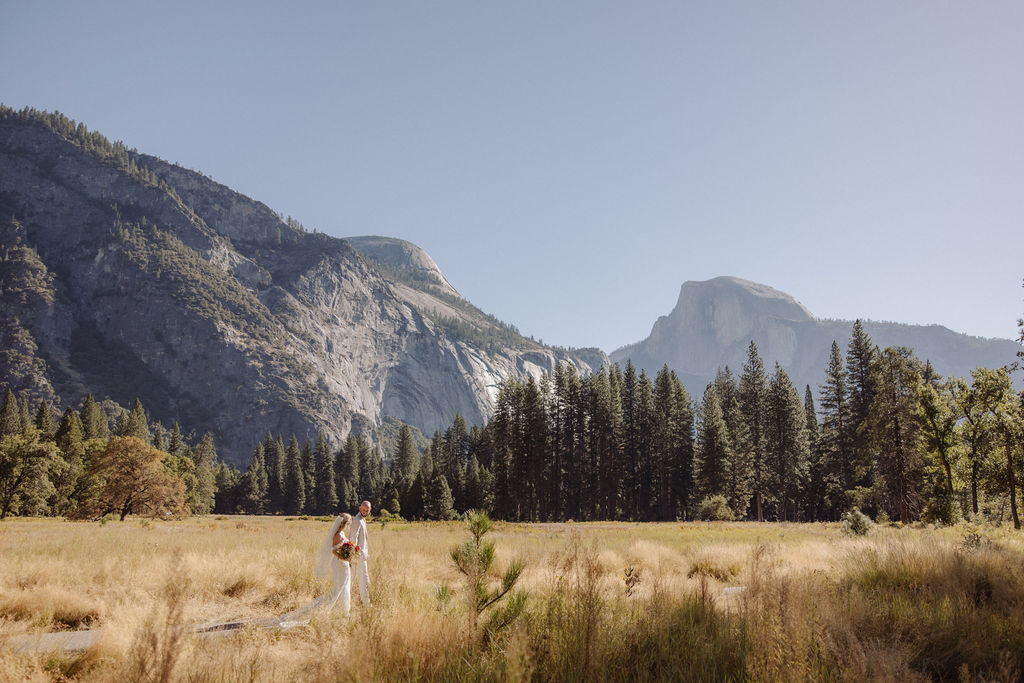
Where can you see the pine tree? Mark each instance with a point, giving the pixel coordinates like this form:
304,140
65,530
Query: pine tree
786,443
439,503
532,459
504,430
569,443
134,423
664,443
682,450
860,354
814,494
205,459
456,451
158,436
834,436
273,451
175,442
712,451
307,463
70,444
44,421
738,489
94,420
642,432
326,489
403,468
474,499
893,432
10,419
24,415
346,473
228,481
752,394
254,483
294,489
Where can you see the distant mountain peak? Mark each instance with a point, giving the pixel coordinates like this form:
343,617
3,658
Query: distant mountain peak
715,320
403,256
767,299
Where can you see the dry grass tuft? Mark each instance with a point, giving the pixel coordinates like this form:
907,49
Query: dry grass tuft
51,608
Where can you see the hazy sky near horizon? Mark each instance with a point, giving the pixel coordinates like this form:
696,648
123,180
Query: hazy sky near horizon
569,165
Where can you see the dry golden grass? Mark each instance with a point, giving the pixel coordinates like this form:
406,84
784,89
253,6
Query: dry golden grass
817,604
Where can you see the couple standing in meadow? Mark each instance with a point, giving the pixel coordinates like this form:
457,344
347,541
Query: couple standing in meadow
344,549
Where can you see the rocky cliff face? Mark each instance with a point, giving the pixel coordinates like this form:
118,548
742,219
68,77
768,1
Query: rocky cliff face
127,276
714,322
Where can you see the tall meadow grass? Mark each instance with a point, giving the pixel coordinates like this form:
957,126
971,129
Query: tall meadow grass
608,601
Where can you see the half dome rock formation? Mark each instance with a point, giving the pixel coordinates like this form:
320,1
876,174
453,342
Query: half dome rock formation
714,321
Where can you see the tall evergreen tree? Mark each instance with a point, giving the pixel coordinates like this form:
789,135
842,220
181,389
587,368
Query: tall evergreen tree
70,444
346,473
439,502
753,394
176,442
44,421
814,495
24,415
712,449
294,484
10,419
456,441
894,433
403,467
308,465
273,451
568,442
134,423
159,434
834,436
205,458
639,430
326,490
253,495
94,419
786,443
860,354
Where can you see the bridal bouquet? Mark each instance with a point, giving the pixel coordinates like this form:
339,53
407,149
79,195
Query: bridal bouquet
347,551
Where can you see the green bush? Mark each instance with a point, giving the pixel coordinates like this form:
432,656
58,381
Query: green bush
856,523
715,509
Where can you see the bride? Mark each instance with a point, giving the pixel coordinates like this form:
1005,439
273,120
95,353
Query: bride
327,565
339,570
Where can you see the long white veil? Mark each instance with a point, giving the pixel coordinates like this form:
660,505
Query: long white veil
322,565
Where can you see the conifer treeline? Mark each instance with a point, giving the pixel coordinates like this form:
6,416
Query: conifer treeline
891,437
85,465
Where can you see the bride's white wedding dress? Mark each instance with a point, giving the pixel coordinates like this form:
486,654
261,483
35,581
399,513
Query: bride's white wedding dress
341,587
326,564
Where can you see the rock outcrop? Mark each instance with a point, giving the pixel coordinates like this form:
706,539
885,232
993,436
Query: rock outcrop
714,322
150,280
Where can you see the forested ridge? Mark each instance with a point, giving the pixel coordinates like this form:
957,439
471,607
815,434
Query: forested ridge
888,436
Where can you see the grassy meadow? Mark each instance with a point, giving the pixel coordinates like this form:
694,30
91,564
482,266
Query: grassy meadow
607,601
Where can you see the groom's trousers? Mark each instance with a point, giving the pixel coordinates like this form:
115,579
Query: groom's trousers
362,576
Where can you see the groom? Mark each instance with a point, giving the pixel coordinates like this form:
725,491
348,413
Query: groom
362,576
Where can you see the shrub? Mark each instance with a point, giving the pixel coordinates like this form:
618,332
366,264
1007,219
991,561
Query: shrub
856,523
715,509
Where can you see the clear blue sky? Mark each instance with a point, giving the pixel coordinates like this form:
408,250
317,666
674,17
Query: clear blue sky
569,165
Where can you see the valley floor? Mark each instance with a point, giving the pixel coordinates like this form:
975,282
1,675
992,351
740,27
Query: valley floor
606,601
